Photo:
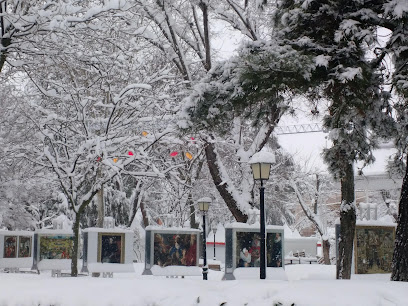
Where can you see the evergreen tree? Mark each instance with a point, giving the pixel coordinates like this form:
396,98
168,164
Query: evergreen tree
334,36
397,21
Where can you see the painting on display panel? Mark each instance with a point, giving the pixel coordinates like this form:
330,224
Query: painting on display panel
56,246
175,249
248,246
373,247
111,247
10,247
24,246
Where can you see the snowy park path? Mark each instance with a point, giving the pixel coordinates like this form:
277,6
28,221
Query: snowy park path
311,285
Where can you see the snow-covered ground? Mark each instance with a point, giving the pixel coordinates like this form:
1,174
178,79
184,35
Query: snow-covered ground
311,285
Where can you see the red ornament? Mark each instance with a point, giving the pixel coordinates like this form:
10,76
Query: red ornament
173,154
130,153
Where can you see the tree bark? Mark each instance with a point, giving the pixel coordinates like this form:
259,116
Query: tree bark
400,256
74,262
193,223
5,42
221,186
100,208
144,214
76,228
326,251
207,63
347,224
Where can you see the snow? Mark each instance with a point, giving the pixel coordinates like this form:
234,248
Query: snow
255,226
110,267
204,200
263,157
175,270
54,264
307,285
171,230
219,235
107,230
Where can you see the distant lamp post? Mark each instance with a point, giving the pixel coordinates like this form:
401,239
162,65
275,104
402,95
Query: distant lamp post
214,230
203,205
261,166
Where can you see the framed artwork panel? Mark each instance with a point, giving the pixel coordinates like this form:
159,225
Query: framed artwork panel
373,249
24,246
248,249
56,246
111,248
10,247
175,249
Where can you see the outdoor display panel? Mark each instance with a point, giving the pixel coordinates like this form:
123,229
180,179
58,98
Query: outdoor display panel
56,246
17,246
10,247
111,247
107,250
248,249
16,249
24,246
243,247
373,249
175,249
172,251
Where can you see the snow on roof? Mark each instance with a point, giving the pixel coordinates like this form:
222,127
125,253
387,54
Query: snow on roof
171,229
46,231
16,233
375,223
255,226
107,230
263,157
205,199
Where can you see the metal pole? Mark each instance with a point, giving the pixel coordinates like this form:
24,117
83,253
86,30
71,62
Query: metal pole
214,247
205,268
262,216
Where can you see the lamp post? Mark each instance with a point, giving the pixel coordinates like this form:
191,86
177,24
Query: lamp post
214,230
203,205
261,166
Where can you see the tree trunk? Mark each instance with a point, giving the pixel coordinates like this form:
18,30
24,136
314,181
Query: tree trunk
135,204
347,224
193,223
400,257
326,251
221,186
144,215
100,208
5,42
207,63
74,262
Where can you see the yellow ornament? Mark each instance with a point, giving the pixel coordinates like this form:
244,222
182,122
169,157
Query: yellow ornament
189,156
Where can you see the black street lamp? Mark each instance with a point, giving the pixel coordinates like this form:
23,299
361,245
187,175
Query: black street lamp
214,230
203,205
261,166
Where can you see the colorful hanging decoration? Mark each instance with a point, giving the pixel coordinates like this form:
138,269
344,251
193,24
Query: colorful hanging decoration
174,153
99,159
115,160
130,153
144,133
189,156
